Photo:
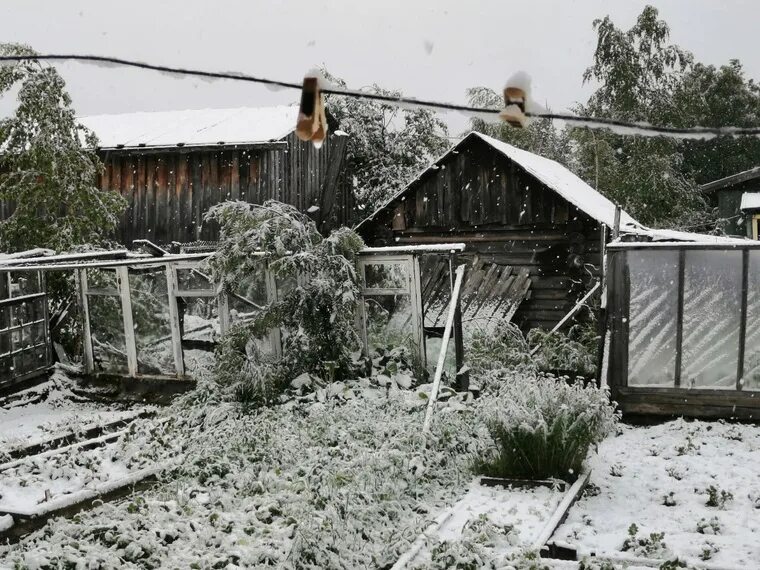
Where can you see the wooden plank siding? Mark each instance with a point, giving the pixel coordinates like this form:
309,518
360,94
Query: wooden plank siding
506,217
170,190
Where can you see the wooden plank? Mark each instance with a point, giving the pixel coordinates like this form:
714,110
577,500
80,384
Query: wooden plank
122,274
176,334
444,349
84,308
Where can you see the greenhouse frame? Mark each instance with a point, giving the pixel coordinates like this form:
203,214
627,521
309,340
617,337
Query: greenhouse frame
684,322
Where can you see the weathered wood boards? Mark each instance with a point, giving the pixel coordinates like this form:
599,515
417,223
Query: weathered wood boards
513,223
169,190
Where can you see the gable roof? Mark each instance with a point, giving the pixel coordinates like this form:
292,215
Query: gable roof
572,188
556,176
196,127
737,178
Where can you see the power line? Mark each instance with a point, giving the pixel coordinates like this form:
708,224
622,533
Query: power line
617,126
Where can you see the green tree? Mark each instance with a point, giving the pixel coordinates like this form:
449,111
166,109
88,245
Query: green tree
712,96
316,314
48,165
541,136
388,145
638,71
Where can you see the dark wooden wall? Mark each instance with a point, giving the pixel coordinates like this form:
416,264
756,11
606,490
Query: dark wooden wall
170,190
506,217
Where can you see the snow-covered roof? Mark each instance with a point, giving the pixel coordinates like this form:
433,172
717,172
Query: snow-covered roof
198,127
750,201
551,173
563,182
574,190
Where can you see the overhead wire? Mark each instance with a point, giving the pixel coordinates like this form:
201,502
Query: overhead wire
616,125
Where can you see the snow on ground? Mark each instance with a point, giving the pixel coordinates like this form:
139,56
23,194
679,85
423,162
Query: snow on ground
505,521
49,409
696,482
345,483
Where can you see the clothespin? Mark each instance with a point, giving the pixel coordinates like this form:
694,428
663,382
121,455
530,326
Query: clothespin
312,120
516,95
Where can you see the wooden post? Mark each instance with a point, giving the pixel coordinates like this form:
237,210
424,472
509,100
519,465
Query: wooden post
444,346
275,338
743,320
122,280
223,306
84,308
616,226
171,290
463,379
416,301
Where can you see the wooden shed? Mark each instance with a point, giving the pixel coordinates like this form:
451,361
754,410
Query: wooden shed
173,166
737,198
534,230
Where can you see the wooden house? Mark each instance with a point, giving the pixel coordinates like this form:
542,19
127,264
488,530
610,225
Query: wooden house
534,231
173,166
737,198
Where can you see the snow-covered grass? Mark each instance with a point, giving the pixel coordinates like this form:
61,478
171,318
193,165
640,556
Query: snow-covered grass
696,482
50,409
347,482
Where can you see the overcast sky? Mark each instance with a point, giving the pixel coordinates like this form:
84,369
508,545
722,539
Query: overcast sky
431,49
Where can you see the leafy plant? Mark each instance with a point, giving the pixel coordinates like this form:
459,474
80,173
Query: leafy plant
48,164
573,351
717,497
652,546
708,527
503,347
544,428
709,549
315,316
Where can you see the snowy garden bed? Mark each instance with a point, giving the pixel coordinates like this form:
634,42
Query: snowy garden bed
50,410
691,489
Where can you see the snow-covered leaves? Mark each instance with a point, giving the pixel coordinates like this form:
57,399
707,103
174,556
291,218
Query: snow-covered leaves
317,294
48,165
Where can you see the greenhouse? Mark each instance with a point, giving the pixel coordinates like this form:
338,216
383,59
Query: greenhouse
685,326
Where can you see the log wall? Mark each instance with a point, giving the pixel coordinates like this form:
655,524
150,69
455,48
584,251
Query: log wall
506,217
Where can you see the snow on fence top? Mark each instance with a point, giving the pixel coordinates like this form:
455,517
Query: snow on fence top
199,127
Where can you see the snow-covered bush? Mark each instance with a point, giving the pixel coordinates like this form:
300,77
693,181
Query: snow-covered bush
574,351
504,347
315,314
542,427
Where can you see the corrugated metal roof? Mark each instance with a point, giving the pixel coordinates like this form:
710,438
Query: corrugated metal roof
197,127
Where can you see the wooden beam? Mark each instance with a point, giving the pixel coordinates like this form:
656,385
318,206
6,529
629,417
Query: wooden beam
84,307
329,188
122,275
444,347
176,333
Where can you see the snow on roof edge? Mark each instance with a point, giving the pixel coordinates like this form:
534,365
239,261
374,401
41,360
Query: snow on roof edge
192,127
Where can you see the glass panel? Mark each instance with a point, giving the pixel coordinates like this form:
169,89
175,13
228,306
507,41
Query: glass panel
250,297
198,318
107,331
652,317
25,283
711,314
150,314
435,278
752,343
193,280
102,281
387,275
389,322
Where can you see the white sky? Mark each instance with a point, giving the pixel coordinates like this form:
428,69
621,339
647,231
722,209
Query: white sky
474,42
